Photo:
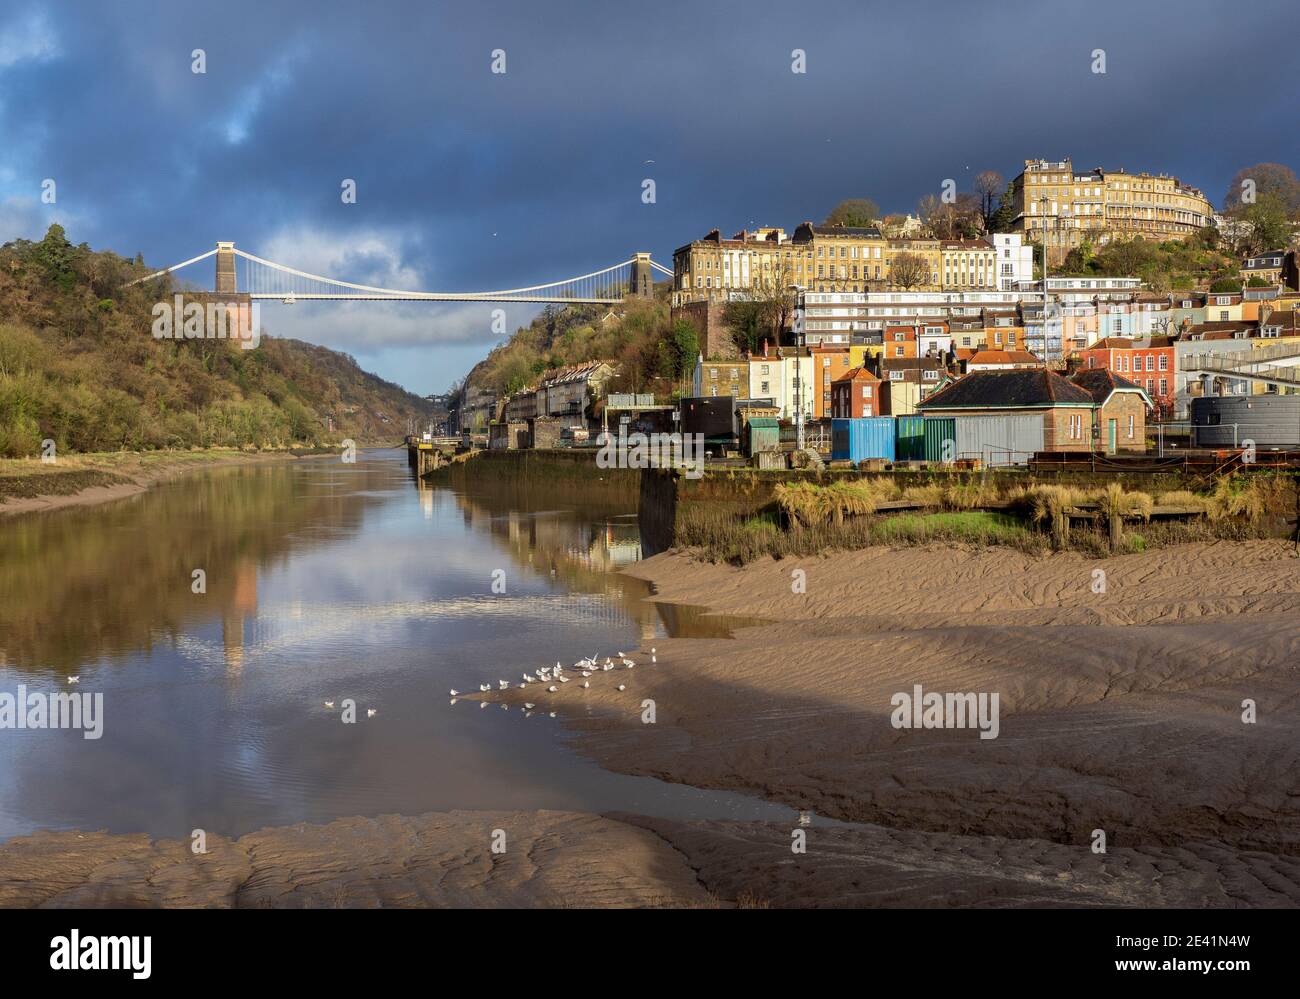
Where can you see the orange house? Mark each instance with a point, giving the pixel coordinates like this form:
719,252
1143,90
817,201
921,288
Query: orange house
855,394
900,341
829,363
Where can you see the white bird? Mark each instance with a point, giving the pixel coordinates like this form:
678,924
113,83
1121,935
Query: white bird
74,679
586,684
564,679
585,673
528,706
371,712
630,665
505,707
621,687
552,714
552,689
482,705
485,687
521,686
330,704
454,692
607,667
503,685
620,654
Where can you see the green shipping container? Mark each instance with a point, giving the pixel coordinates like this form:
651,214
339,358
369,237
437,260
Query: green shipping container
909,443
940,431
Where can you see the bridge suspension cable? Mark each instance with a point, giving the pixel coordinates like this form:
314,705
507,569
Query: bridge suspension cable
260,278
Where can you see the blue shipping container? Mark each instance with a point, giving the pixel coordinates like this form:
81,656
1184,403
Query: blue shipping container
858,440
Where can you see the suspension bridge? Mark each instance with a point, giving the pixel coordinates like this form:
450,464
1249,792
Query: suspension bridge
244,274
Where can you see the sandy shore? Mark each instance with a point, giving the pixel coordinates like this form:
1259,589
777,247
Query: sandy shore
131,473
1119,710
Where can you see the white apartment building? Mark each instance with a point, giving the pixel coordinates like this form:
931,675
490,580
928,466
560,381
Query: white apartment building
1015,259
775,378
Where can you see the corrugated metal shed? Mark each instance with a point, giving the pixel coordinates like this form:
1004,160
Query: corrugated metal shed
762,433
1227,421
940,438
909,438
858,440
1000,440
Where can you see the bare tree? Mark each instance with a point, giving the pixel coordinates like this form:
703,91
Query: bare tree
989,186
909,270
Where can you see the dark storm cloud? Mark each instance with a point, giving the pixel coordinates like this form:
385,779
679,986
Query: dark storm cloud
550,157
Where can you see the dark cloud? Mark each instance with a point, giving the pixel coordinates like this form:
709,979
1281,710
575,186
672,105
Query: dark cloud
398,96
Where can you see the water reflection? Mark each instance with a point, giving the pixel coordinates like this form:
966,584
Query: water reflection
324,581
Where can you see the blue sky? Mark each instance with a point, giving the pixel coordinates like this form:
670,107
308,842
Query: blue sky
471,180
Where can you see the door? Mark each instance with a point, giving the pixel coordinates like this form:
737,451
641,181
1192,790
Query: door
1111,430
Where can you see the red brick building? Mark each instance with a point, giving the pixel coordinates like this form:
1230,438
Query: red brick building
1149,363
855,394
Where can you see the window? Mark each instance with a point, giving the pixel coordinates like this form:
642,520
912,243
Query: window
898,351
1164,386
764,388
896,376
1164,362
764,369
866,391
1132,420
1076,426
930,376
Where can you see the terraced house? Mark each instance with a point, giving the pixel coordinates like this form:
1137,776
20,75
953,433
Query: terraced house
1058,206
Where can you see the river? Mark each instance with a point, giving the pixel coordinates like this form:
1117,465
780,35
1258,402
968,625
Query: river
323,581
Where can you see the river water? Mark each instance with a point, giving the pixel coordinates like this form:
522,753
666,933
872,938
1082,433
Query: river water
324,581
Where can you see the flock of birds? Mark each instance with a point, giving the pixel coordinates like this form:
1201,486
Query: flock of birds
553,677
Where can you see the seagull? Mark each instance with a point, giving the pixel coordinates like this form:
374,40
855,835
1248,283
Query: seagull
521,686
371,712
482,705
621,687
454,692
564,679
505,707
528,706
485,687
586,684
552,689
585,673
74,679
620,654
330,704
529,679
607,667
552,714
503,685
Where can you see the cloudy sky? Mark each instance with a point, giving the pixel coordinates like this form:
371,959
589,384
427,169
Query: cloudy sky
469,180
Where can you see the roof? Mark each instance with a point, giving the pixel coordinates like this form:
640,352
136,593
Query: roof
1126,343
1102,382
1020,388
918,363
858,374
859,232
1004,357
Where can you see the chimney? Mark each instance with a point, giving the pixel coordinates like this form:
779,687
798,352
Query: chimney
764,347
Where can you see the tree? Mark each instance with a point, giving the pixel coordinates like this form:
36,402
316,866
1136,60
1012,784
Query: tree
1266,179
909,270
988,186
679,350
1267,225
1005,217
854,212
927,207
747,320
1226,285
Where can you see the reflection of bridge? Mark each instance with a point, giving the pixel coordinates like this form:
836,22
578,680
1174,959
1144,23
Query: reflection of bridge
1259,365
240,273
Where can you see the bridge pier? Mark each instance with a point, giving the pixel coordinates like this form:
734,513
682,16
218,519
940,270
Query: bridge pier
643,279
226,283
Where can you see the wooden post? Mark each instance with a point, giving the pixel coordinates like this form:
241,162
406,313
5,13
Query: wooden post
1116,530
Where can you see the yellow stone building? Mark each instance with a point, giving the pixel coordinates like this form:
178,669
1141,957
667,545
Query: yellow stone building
1057,206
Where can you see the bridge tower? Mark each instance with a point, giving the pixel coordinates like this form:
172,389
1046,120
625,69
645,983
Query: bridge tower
226,280
643,279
